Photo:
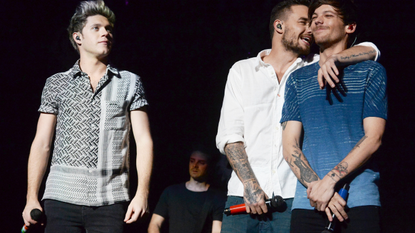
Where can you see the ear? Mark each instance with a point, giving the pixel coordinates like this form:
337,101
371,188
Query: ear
77,38
350,28
278,26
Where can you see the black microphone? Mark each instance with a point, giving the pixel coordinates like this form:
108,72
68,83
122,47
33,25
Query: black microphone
36,215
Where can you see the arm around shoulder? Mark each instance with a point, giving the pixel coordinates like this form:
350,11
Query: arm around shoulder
361,52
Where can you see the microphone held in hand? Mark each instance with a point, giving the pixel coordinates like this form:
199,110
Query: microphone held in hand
276,202
36,215
343,193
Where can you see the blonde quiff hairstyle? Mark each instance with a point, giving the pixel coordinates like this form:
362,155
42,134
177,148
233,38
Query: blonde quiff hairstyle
83,11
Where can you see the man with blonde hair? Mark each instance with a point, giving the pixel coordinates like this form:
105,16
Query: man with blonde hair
92,107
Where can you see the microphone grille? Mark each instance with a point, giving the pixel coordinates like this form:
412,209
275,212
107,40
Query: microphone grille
36,214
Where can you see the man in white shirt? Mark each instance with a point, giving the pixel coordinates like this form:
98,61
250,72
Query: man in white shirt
249,131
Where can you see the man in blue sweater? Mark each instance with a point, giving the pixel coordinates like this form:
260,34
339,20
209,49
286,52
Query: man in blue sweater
343,127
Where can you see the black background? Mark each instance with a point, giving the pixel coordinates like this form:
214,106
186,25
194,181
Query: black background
183,51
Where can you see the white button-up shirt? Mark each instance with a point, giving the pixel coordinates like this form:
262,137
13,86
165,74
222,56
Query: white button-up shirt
251,114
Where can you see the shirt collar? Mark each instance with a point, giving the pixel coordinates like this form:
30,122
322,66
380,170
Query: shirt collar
265,52
76,70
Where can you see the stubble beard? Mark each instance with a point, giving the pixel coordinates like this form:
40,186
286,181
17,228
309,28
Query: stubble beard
290,43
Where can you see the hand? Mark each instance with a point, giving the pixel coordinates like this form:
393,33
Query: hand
26,212
137,208
320,192
336,206
328,72
254,198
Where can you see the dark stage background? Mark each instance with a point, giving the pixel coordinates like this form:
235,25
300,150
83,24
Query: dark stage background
183,51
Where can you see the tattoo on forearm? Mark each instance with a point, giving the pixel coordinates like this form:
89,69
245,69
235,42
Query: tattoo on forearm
238,159
346,58
339,171
254,193
307,175
360,141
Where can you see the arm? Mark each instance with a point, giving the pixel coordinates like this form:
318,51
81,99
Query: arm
328,72
254,196
293,155
216,226
38,162
144,162
155,224
230,141
292,131
359,155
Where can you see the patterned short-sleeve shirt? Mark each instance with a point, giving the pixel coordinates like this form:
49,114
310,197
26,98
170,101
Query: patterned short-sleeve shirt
91,149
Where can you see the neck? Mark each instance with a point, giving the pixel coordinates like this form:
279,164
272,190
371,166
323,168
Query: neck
280,58
93,66
197,186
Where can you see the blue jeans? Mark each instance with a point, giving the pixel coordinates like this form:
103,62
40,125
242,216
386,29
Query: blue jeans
64,217
278,222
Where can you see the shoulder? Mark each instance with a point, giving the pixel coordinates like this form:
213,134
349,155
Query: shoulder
125,74
216,192
367,66
175,188
248,63
59,79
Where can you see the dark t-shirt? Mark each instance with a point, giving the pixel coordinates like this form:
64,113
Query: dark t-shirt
183,208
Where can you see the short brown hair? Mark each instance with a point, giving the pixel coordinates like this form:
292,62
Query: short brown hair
281,9
83,11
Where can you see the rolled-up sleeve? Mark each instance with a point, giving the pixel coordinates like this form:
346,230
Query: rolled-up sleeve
231,122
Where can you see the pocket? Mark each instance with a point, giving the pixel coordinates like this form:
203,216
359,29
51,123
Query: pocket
115,115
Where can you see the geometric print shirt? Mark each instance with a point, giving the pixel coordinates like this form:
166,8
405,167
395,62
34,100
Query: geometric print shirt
91,149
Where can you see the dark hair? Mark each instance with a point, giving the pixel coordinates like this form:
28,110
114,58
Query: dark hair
280,11
83,11
209,154
346,9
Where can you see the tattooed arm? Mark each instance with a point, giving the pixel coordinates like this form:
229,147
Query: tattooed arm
293,155
295,158
328,71
254,196
359,155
